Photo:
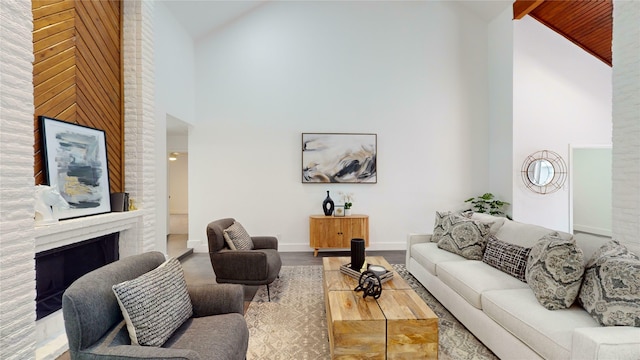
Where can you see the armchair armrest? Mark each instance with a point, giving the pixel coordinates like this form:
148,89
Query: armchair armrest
216,299
240,264
265,242
412,239
138,352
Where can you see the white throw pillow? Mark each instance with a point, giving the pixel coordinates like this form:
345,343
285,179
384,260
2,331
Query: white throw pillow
155,304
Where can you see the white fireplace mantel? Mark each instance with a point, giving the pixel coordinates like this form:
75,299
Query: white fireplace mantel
71,231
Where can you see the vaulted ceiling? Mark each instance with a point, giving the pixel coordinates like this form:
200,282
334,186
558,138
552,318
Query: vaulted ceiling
588,24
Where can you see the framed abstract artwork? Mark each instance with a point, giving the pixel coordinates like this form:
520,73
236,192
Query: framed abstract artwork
339,158
75,158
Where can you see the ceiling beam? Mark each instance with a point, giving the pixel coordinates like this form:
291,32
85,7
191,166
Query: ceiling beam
522,7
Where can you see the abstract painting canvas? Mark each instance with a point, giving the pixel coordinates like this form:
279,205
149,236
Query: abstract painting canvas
76,164
339,158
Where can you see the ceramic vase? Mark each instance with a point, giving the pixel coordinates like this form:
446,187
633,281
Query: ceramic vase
327,205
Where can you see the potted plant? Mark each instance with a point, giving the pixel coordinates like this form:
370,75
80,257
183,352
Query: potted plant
348,202
488,204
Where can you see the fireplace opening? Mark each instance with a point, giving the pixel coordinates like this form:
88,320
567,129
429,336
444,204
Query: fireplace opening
58,268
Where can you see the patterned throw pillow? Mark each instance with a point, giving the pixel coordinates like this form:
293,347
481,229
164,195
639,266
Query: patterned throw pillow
554,271
237,237
443,222
155,304
610,291
465,237
509,258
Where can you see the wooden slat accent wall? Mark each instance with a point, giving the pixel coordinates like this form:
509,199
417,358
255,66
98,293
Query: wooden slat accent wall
77,75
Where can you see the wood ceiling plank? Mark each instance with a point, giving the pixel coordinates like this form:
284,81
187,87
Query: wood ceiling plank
523,7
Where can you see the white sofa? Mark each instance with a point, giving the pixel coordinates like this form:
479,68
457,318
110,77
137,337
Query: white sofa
503,312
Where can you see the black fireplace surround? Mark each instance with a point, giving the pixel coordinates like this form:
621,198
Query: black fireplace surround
58,268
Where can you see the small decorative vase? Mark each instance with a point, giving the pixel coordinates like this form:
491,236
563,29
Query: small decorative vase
357,254
327,205
347,212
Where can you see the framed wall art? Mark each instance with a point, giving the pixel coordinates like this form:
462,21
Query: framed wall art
75,159
339,158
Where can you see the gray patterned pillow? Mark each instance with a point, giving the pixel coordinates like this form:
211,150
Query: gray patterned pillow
155,304
443,222
465,237
440,225
610,288
509,258
554,271
237,237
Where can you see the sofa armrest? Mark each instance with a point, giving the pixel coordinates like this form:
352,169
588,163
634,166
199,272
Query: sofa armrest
412,239
610,342
137,352
214,299
265,242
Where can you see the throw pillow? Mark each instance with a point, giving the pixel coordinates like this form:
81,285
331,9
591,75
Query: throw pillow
155,304
610,288
440,225
465,237
443,222
237,237
554,271
509,258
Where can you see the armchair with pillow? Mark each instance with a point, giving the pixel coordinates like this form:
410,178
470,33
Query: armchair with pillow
140,307
239,258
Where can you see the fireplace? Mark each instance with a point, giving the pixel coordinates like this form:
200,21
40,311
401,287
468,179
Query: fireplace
58,268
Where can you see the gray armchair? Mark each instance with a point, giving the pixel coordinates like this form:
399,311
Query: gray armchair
96,330
259,266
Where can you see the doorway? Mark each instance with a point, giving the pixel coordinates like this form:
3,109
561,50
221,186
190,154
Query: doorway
177,188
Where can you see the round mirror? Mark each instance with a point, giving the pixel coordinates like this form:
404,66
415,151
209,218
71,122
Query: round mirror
544,172
540,172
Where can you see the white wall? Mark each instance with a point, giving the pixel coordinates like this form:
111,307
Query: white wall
500,35
174,96
412,72
561,95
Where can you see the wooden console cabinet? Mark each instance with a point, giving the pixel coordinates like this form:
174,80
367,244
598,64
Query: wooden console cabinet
337,232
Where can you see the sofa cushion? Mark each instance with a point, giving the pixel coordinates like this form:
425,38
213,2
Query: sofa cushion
525,235
154,304
472,278
554,271
549,333
497,221
610,292
509,258
440,225
429,255
237,237
465,237
217,337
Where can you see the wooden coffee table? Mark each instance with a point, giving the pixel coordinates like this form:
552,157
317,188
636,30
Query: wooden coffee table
398,325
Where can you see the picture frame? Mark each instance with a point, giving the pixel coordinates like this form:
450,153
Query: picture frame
338,211
75,162
339,158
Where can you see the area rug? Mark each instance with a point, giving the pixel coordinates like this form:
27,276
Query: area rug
293,324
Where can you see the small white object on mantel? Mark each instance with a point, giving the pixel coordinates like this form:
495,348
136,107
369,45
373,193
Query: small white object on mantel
46,197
